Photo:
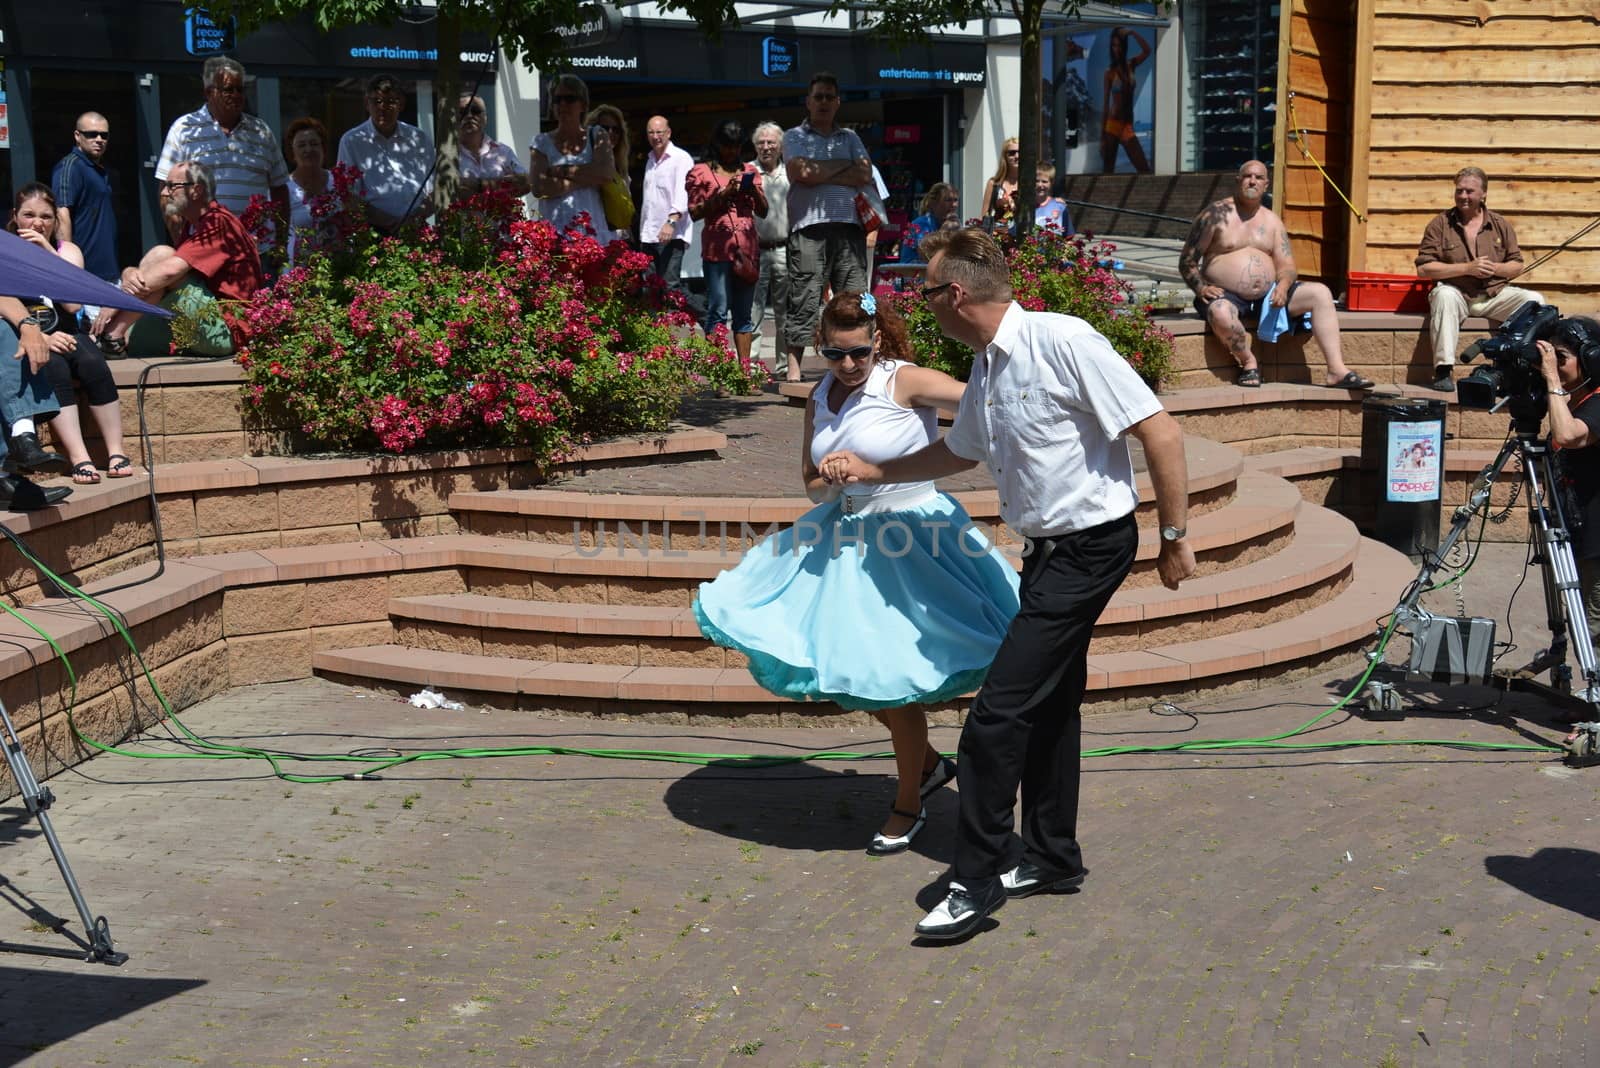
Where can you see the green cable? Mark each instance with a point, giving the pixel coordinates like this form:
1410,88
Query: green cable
373,767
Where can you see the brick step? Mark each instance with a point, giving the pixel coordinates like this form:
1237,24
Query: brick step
1249,656
718,518
635,571
1297,579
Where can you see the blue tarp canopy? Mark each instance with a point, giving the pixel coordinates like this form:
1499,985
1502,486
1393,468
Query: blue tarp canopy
26,270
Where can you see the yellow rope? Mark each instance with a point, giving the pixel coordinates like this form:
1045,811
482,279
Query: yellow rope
1298,136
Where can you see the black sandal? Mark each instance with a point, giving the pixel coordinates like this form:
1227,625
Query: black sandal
112,345
118,466
84,474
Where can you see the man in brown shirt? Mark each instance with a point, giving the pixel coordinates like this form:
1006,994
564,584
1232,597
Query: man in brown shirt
1470,253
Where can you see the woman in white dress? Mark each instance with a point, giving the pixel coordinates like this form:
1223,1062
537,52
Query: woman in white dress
568,165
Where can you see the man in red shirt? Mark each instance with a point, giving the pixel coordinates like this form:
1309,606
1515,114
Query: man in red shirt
216,260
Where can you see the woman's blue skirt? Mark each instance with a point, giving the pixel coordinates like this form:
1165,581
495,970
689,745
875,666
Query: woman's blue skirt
867,611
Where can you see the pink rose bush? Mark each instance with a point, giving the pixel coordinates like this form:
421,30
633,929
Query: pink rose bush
484,329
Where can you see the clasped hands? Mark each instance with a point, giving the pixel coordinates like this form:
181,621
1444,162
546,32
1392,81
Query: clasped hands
838,468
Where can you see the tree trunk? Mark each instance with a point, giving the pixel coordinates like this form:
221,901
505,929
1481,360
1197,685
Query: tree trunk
1029,134
446,94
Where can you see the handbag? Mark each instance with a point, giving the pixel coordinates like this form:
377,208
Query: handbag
746,268
618,203
870,212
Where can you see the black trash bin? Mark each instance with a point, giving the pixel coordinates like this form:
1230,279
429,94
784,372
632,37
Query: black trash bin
1402,460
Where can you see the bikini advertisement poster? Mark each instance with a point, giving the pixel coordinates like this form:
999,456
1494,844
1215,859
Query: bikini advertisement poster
1099,100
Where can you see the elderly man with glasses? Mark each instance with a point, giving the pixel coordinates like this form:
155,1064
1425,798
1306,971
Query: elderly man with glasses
215,261
395,158
85,195
485,162
240,150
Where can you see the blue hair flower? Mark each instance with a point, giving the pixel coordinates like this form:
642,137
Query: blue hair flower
869,304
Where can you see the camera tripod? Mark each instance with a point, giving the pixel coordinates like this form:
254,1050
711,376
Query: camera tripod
38,799
1441,640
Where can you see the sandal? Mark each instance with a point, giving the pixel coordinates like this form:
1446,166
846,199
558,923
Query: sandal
1351,380
1250,378
84,474
112,345
117,466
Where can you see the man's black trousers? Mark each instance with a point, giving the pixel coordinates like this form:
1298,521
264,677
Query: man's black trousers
1024,725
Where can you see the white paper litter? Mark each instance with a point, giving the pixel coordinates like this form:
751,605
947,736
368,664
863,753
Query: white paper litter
435,699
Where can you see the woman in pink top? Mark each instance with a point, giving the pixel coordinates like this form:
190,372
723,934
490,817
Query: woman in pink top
726,195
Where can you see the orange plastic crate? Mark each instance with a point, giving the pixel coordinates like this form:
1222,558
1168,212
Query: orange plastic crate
1387,292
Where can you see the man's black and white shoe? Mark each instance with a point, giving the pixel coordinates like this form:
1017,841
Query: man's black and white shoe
17,494
1026,879
942,772
883,845
961,911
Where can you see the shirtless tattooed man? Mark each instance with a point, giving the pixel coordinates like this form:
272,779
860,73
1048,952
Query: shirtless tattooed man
1237,261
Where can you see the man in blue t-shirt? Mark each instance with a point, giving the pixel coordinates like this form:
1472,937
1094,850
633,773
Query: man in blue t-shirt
85,213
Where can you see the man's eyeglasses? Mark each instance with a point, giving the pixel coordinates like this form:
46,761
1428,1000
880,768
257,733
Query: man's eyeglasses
931,291
95,135
387,101
168,186
859,353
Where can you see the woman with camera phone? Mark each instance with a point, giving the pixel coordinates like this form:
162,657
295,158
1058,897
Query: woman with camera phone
726,195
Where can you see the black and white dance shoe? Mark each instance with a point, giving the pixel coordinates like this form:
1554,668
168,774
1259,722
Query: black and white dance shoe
959,914
883,846
1027,879
943,772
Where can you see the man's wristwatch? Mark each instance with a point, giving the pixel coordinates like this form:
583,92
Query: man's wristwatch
29,320
1559,392
1174,533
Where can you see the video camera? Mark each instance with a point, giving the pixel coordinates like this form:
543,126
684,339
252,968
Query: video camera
1513,372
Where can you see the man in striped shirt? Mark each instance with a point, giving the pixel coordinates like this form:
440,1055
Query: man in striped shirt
240,150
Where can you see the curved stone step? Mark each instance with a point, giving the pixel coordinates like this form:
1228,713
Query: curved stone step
1296,579
720,518
634,570
1248,656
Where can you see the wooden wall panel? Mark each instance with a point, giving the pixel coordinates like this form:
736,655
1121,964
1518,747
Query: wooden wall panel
1315,41
1509,87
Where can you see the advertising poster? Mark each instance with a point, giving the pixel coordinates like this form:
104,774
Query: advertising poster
1414,453
1100,100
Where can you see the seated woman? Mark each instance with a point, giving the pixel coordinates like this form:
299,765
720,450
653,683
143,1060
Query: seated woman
72,355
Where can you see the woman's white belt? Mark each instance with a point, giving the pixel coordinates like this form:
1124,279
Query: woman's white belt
888,501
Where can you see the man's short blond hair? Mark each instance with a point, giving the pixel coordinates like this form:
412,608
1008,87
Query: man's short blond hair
1474,172
973,259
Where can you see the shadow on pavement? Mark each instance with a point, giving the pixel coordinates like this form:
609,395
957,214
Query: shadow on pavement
804,808
1560,875
63,1004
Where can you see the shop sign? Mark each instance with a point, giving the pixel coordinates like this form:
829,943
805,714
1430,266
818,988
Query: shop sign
902,135
597,24
205,36
779,57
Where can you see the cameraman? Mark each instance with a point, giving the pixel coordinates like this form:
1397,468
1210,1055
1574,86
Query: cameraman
1575,432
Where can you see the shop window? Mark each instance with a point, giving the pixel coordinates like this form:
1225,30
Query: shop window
58,98
1232,55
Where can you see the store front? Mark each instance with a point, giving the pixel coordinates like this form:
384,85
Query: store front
138,63
907,106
